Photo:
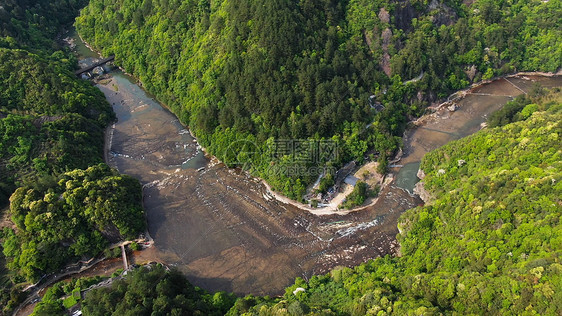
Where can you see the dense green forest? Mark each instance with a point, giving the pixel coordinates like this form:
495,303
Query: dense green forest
161,292
152,290
63,295
51,123
251,72
34,24
246,74
74,218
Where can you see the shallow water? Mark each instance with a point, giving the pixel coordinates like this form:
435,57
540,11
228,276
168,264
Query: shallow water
473,110
222,228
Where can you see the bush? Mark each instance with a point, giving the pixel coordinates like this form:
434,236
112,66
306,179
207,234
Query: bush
135,246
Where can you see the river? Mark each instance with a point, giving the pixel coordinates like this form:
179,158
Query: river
223,229
473,110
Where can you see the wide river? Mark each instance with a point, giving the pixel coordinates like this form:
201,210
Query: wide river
225,231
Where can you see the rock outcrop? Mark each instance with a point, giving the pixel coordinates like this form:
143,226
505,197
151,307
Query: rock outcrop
419,188
420,174
422,192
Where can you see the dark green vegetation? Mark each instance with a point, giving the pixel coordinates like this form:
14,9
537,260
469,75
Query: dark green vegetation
358,196
72,219
33,24
51,123
490,242
151,290
248,72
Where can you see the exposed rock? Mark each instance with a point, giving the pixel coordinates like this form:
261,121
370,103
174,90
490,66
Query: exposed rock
444,14
386,38
385,64
398,156
461,162
452,108
386,41
384,16
38,122
420,174
98,71
298,289
471,72
422,192
441,172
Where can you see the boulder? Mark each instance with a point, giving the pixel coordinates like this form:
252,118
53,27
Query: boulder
298,289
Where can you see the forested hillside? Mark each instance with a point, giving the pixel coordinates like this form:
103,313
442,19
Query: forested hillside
51,123
488,244
251,72
162,293
35,23
73,219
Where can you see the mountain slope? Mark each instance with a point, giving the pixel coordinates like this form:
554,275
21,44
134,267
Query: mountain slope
51,123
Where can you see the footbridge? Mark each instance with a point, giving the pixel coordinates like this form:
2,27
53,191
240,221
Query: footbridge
96,64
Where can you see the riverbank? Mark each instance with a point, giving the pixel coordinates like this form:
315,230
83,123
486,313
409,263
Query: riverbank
461,94
469,114
333,207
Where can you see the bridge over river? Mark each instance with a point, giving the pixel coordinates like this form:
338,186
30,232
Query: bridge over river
96,64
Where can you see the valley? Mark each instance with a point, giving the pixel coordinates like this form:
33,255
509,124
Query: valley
227,232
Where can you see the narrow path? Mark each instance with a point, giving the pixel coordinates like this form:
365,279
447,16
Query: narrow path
35,289
73,269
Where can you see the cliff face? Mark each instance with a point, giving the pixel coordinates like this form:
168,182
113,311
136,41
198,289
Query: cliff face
419,188
422,192
404,12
